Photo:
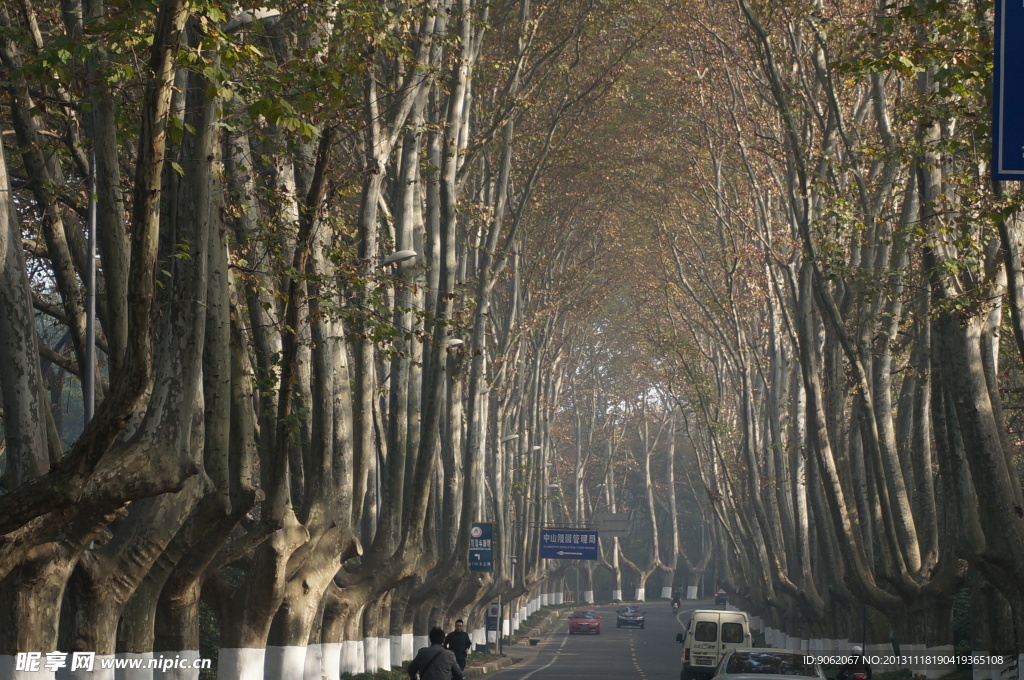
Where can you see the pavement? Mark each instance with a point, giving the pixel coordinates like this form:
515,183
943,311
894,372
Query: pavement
521,650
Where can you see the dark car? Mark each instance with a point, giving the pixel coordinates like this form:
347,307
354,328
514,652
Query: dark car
630,616
720,597
585,621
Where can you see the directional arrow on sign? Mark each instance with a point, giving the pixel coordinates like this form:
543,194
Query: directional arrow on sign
476,556
566,552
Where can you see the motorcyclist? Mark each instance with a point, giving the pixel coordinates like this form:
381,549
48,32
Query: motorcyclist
857,669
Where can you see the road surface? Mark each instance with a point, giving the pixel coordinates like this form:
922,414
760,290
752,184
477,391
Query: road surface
648,654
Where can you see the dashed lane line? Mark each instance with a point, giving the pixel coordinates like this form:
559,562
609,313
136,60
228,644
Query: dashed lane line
549,663
636,661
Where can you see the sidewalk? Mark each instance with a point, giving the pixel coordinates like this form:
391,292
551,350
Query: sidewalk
521,650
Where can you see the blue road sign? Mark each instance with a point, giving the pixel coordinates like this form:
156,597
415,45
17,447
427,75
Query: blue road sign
481,553
568,544
1008,92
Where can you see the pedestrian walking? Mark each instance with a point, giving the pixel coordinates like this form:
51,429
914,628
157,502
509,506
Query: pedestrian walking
458,641
435,662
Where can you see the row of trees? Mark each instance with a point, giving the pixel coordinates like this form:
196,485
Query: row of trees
327,339
835,273
370,272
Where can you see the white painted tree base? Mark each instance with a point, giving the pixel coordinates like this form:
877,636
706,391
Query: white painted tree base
691,592
396,650
191,673
588,596
666,592
419,642
98,671
370,655
332,661
935,671
408,647
8,663
314,666
135,673
384,653
479,638
285,662
880,650
240,664
352,657
617,595
641,594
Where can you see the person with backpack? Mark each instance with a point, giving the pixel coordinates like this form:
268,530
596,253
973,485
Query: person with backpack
435,662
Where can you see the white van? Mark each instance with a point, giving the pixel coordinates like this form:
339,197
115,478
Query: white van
710,634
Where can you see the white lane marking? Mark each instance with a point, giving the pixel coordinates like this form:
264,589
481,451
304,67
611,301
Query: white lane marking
636,661
550,663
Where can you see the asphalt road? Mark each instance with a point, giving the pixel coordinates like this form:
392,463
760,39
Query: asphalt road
648,654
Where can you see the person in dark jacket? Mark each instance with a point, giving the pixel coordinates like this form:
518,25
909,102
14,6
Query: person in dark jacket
458,641
435,662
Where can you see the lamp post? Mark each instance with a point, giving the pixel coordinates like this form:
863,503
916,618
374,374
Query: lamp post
703,551
511,604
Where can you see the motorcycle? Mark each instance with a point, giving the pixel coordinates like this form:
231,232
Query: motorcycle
853,674
675,607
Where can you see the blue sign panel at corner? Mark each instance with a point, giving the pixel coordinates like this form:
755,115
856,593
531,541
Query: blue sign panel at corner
481,553
568,544
1008,92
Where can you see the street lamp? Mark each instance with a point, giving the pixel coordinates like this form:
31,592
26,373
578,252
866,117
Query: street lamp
510,613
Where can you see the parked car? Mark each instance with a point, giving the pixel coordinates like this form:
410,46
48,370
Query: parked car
710,635
767,664
630,616
721,597
585,621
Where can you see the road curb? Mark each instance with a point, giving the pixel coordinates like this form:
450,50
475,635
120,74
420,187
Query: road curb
491,666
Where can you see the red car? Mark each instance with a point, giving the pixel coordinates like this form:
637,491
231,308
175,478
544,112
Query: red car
585,621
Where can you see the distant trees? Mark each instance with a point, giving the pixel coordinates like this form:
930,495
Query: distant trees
835,266
317,318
